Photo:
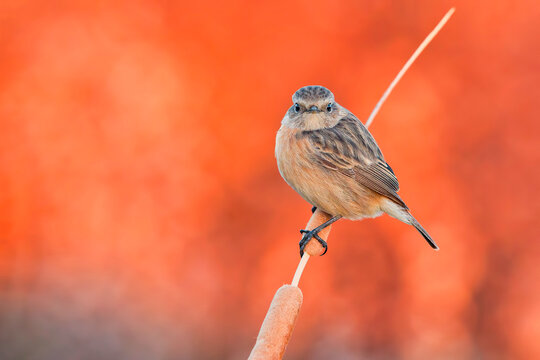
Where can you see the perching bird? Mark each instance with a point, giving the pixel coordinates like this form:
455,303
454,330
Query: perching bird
329,157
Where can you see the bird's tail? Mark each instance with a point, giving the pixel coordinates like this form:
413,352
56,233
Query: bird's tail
402,214
424,233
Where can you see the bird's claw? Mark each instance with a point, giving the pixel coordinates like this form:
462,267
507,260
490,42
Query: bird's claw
308,235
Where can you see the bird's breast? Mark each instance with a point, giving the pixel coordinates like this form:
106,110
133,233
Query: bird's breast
333,192
295,159
292,155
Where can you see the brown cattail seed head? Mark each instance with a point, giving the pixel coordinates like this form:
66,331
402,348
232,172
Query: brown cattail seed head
278,324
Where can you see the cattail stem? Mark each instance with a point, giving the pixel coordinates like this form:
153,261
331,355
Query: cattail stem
409,62
315,218
313,248
280,319
300,269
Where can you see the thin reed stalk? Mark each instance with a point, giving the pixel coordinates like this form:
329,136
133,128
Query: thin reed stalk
280,319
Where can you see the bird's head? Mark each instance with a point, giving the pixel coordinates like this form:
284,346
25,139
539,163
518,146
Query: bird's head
313,108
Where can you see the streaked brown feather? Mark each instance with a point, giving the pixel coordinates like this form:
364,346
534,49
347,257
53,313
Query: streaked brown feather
349,149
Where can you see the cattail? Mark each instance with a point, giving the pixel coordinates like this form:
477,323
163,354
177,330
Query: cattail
313,247
279,322
281,317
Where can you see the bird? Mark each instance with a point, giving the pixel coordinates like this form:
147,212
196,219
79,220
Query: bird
329,157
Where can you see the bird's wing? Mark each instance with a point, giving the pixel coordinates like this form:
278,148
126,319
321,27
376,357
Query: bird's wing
349,148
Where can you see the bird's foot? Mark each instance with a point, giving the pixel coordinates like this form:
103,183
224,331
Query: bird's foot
308,235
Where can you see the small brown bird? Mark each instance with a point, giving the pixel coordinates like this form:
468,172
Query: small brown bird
329,157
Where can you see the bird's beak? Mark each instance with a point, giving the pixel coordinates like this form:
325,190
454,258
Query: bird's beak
313,109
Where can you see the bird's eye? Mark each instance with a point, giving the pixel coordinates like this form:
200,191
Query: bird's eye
296,107
329,107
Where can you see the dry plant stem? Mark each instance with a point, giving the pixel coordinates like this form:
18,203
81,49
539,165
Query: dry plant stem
424,43
314,221
281,317
278,324
313,248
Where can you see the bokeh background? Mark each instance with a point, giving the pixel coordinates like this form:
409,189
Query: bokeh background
142,215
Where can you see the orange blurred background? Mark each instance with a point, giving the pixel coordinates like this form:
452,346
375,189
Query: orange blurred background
142,215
